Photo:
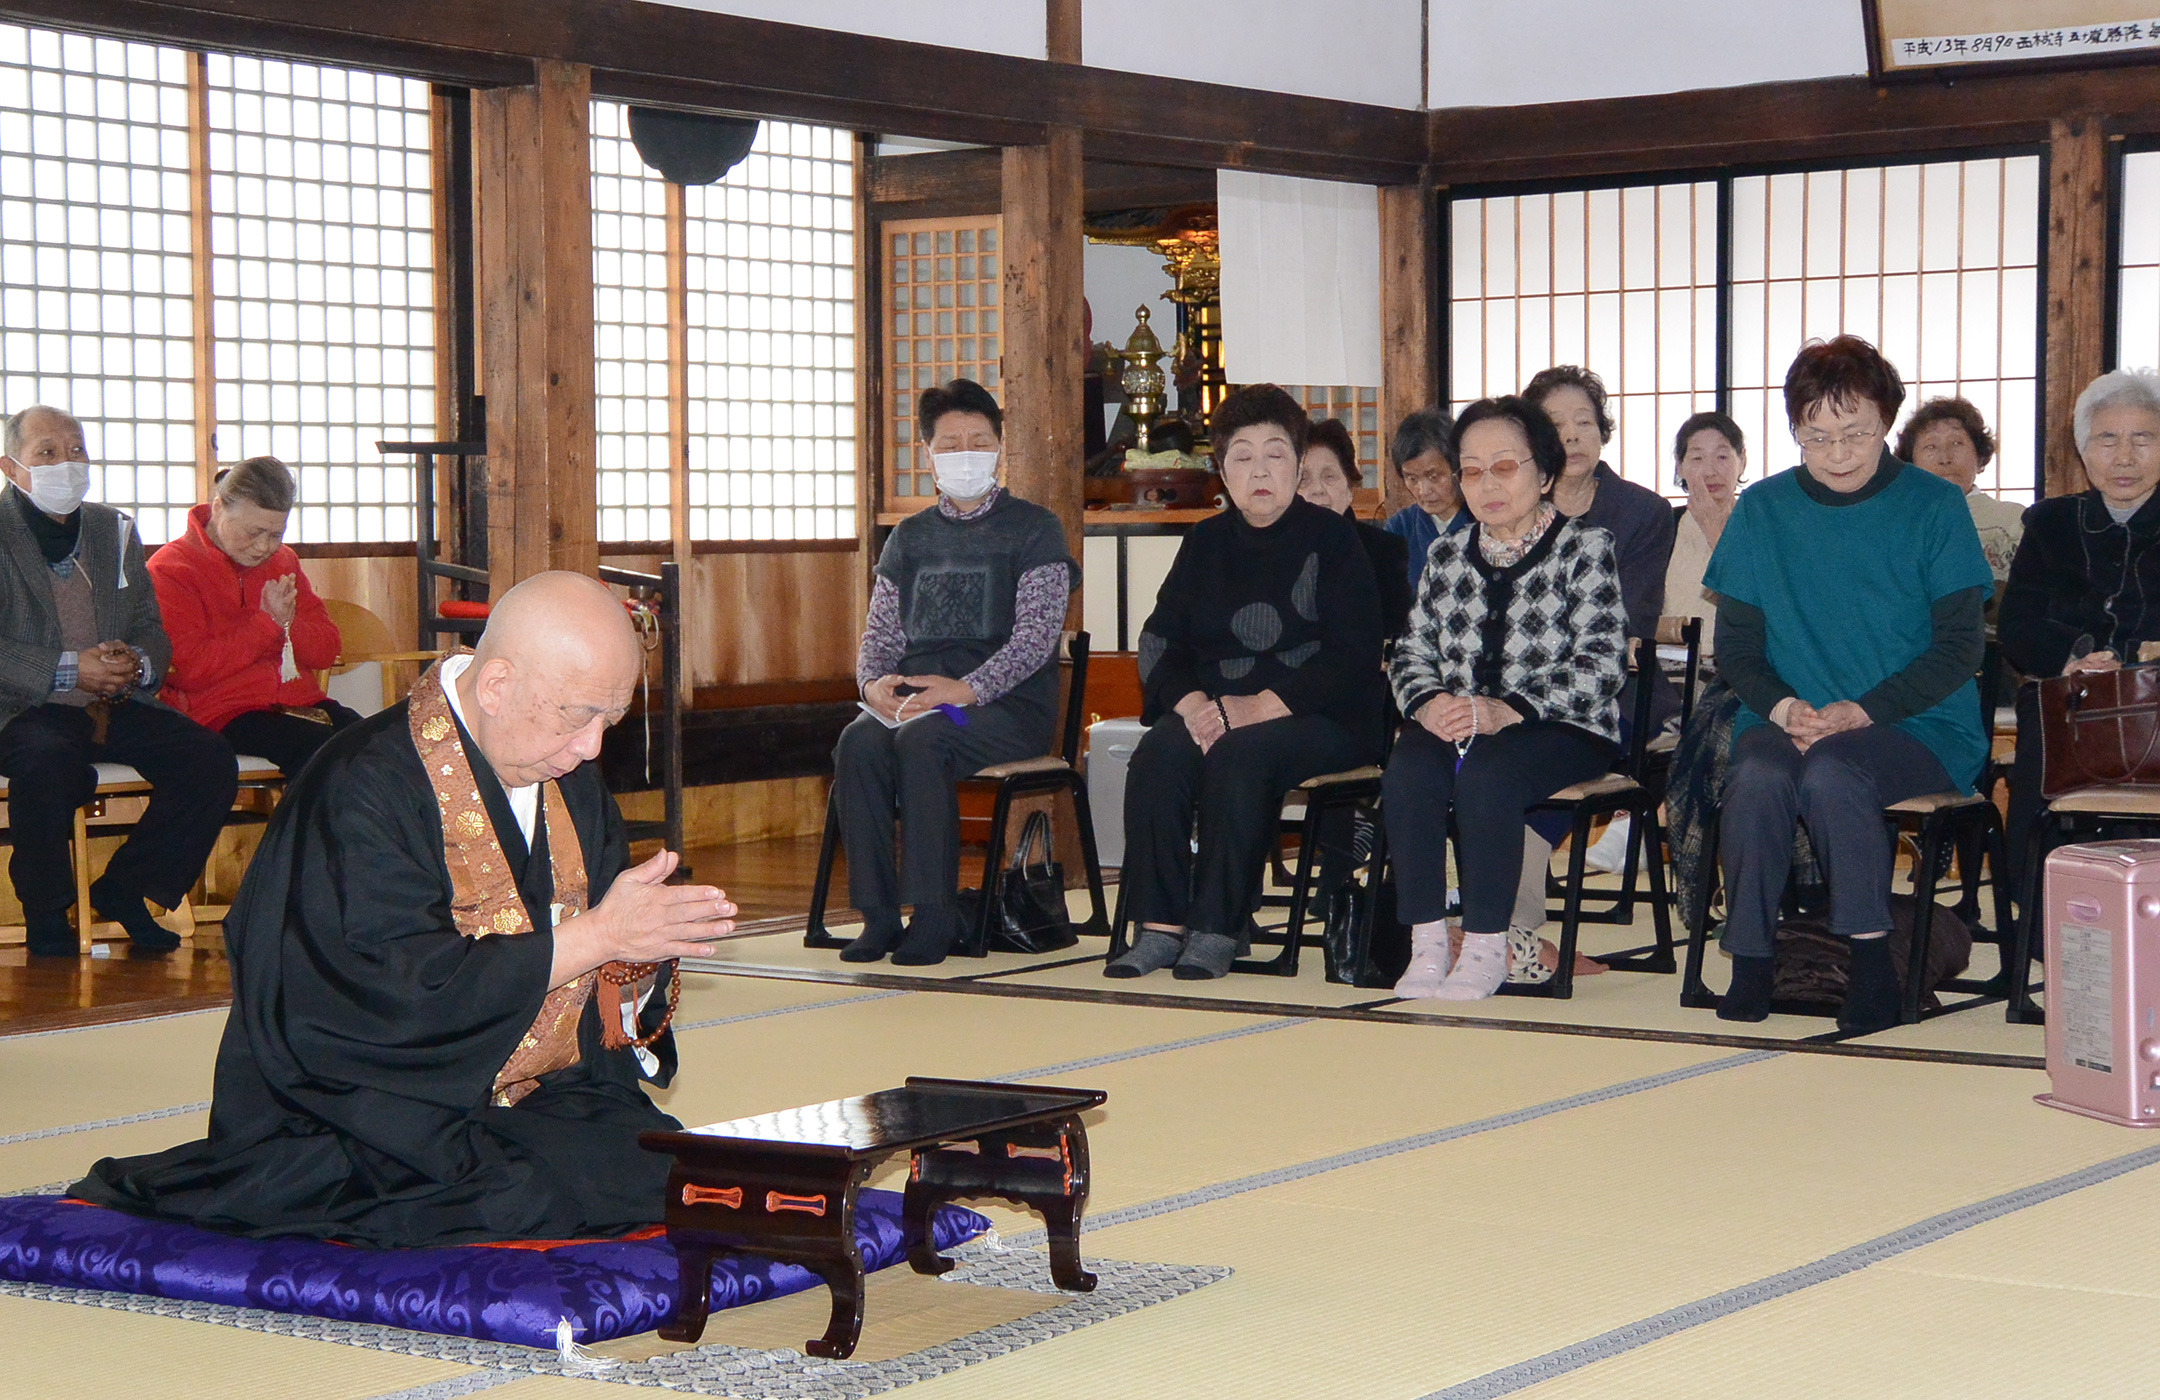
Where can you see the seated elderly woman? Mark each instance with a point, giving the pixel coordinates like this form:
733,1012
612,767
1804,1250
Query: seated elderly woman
1422,451
248,633
1849,597
1327,474
1949,438
1509,675
958,668
1709,458
1259,668
2084,588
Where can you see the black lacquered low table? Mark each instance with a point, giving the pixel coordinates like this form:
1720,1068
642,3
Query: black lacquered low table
782,1185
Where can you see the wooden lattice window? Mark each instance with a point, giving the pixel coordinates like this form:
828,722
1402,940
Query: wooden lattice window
1358,409
943,321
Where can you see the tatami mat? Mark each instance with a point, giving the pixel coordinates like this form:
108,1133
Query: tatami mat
1407,1207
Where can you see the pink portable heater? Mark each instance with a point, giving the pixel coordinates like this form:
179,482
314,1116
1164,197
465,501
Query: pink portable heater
2103,981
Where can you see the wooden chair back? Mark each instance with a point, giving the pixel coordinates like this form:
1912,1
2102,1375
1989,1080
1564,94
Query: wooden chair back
1072,696
362,638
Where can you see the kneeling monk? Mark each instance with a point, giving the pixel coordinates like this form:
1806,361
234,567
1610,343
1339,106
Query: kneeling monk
436,990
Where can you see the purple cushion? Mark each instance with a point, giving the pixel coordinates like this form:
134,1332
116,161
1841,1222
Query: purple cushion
607,1288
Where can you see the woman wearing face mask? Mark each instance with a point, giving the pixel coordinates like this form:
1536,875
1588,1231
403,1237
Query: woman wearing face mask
1259,668
247,630
958,668
1327,476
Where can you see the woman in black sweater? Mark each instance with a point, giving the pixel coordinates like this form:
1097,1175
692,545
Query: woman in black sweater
1327,475
1259,668
2084,587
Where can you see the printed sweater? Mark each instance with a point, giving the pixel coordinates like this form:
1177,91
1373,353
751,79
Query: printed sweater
1547,634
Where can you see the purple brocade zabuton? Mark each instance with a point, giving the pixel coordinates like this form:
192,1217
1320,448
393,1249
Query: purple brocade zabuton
606,1288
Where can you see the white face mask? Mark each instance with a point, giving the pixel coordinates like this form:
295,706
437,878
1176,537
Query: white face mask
57,488
964,476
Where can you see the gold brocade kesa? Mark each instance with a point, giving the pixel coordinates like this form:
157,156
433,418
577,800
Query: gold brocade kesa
484,895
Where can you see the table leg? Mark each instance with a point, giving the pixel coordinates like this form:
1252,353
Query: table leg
1044,1168
844,1277
693,1293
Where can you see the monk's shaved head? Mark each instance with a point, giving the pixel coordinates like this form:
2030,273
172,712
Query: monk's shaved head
559,618
553,670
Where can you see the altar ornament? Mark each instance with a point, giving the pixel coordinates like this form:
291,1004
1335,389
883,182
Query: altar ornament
1141,377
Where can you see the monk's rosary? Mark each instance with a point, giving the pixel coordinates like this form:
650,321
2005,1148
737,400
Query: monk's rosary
622,976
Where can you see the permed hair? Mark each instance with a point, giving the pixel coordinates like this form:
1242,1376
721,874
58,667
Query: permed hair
1946,410
1332,435
957,396
1254,406
1545,381
1843,373
1546,450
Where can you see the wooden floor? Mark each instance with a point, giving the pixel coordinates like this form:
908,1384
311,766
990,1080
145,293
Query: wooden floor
766,879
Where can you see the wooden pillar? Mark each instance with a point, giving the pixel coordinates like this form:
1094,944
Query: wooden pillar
1045,354
533,180
2077,223
1409,316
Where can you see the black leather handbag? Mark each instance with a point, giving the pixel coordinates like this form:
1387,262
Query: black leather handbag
1031,916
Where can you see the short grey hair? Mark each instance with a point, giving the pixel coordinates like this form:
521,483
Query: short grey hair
11,436
2130,388
1426,430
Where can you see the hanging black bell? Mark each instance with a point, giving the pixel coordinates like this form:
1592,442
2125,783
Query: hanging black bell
690,148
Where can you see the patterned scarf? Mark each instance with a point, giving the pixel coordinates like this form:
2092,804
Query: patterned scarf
484,898
1503,554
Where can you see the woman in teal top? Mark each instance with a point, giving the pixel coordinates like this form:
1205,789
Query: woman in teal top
1849,622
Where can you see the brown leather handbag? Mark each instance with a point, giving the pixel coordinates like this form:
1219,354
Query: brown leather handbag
2100,729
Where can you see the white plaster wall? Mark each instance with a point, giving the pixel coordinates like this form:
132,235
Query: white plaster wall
1015,27
1353,50
1529,51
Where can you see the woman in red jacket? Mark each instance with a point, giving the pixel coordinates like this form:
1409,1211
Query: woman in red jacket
247,631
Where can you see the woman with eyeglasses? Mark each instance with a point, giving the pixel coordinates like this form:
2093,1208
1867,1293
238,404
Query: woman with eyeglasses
1849,622
2084,587
1509,675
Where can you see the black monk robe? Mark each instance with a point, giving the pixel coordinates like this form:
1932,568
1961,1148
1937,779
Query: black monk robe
353,1087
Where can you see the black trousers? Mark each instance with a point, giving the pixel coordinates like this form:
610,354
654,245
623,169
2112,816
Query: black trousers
910,772
2025,800
1501,777
1235,791
46,755
1839,787
286,740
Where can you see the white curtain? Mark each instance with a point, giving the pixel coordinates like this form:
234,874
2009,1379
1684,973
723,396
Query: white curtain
1300,279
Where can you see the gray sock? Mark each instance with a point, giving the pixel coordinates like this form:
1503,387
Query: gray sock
1152,951
1207,956
1530,890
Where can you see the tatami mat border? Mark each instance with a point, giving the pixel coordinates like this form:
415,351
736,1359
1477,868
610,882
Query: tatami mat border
147,1116
1359,1156
1227,1006
716,1369
1524,1374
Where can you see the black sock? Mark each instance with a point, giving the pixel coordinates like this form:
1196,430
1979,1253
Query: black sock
930,936
1748,998
1872,1000
50,935
881,930
129,911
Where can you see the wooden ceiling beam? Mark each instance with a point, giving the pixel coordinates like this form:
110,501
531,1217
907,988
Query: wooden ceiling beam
683,57
937,184
1821,119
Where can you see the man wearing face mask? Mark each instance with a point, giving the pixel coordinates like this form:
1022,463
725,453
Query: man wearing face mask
82,653
958,668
